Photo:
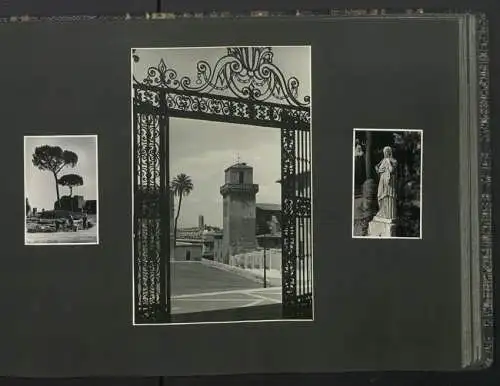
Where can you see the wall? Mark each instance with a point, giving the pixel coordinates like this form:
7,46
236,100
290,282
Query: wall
218,256
239,223
181,250
254,260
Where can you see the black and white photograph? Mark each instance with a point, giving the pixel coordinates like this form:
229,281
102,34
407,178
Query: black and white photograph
222,187
387,183
61,190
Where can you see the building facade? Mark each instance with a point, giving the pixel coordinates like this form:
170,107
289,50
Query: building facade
239,210
90,206
188,251
212,245
73,203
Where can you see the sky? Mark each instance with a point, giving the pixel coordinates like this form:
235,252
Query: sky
203,150
39,185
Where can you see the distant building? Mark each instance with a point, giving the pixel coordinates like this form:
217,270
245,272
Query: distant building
188,251
212,245
90,206
192,233
73,203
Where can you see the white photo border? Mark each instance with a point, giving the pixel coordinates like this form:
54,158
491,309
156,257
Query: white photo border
420,236
312,319
96,182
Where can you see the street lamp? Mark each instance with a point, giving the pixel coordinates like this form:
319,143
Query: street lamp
265,242
265,267
264,239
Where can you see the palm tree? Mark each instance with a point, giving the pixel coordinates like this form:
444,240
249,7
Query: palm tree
181,186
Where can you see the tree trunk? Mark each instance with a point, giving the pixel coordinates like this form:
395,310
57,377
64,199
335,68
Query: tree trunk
370,185
176,219
71,197
57,191
368,156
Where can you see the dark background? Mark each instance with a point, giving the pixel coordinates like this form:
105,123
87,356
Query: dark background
35,286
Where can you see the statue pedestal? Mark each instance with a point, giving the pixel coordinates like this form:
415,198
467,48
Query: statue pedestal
382,227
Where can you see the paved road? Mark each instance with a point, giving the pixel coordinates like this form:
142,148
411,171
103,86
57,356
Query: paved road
198,287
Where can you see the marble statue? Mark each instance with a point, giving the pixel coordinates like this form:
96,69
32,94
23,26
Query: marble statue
386,194
273,225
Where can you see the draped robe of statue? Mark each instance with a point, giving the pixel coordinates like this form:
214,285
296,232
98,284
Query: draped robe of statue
386,194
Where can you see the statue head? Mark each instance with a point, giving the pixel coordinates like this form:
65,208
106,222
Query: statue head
387,152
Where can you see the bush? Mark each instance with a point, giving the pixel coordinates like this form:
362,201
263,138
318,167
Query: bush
409,220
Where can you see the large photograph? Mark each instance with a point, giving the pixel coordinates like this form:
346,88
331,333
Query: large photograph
222,185
61,190
387,184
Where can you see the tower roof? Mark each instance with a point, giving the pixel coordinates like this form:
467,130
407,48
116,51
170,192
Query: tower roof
238,165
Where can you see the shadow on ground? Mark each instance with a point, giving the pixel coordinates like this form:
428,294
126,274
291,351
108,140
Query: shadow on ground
267,312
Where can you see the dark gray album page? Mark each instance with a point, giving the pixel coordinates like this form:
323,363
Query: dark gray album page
383,303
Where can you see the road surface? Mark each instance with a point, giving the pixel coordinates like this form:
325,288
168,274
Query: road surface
200,287
86,236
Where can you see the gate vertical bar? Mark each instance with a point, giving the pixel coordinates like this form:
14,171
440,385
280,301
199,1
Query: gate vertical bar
302,217
298,220
135,139
308,219
289,251
302,214
164,209
308,183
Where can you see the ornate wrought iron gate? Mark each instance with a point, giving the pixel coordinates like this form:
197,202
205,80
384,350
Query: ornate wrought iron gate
250,76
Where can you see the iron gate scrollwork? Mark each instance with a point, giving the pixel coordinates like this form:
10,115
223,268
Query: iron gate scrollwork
244,87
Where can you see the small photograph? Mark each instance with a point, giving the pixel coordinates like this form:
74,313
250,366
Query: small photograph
61,192
387,184
227,174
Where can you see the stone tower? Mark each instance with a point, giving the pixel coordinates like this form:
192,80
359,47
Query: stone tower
238,194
